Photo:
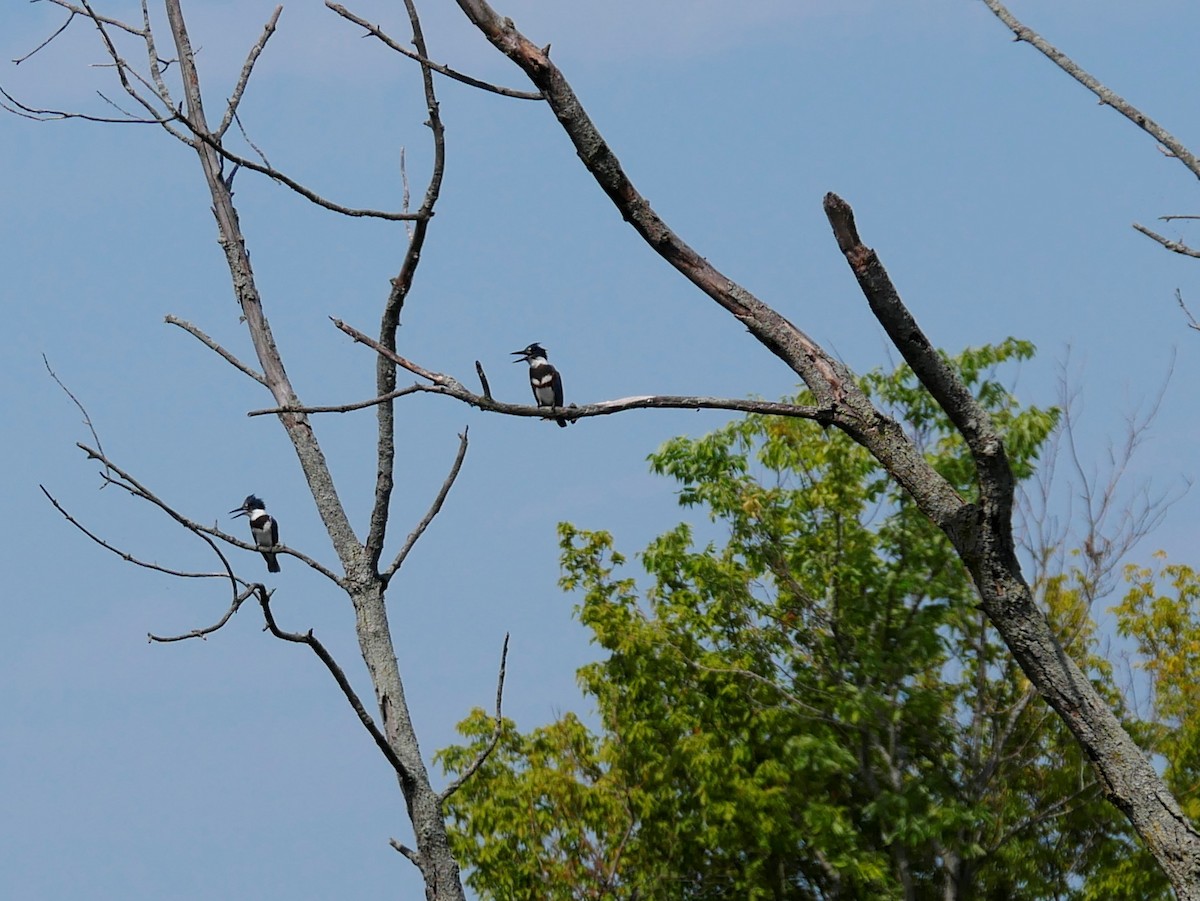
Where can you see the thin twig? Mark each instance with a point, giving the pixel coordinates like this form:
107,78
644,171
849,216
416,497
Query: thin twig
483,755
86,12
75,400
20,59
208,630
125,555
391,355
1192,323
123,69
1173,246
338,676
215,347
247,68
434,508
377,32
307,193
338,408
483,382
127,482
1107,97
17,108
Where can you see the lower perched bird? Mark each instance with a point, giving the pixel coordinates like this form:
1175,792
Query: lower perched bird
263,527
543,378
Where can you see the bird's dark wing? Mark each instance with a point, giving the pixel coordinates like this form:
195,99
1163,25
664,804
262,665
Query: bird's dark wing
556,384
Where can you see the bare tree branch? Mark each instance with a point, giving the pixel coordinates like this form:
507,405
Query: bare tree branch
17,108
1106,96
208,630
247,68
338,408
389,321
307,193
61,28
413,857
377,32
128,483
452,387
216,348
486,752
483,382
434,509
339,676
125,555
1173,246
87,420
1192,323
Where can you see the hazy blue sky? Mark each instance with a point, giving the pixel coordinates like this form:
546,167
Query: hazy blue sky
996,190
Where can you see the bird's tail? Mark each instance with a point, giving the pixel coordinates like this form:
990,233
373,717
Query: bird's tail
562,423
272,563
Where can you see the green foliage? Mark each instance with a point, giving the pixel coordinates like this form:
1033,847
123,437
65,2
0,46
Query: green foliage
1161,613
813,708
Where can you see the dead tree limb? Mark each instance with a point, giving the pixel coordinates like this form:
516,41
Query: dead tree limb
981,532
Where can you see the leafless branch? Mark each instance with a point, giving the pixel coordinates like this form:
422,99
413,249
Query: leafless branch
338,676
247,68
86,12
389,320
483,755
215,347
20,59
154,61
1192,323
123,69
413,857
337,408
452,387
128,483
75,400
307,193
125,555
1173,246
377,32
483,382
1106,96
16,107
433,511
205,632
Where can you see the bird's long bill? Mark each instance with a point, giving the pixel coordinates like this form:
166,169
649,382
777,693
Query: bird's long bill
520,354
239,511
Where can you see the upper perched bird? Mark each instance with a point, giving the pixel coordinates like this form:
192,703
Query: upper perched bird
543,378
263,527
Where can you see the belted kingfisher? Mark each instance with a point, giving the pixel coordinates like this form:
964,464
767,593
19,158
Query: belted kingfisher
543,378
263,527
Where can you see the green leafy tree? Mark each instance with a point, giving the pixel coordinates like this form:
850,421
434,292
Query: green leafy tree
1161,613
814,708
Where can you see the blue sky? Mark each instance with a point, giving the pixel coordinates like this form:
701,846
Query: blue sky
997,192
